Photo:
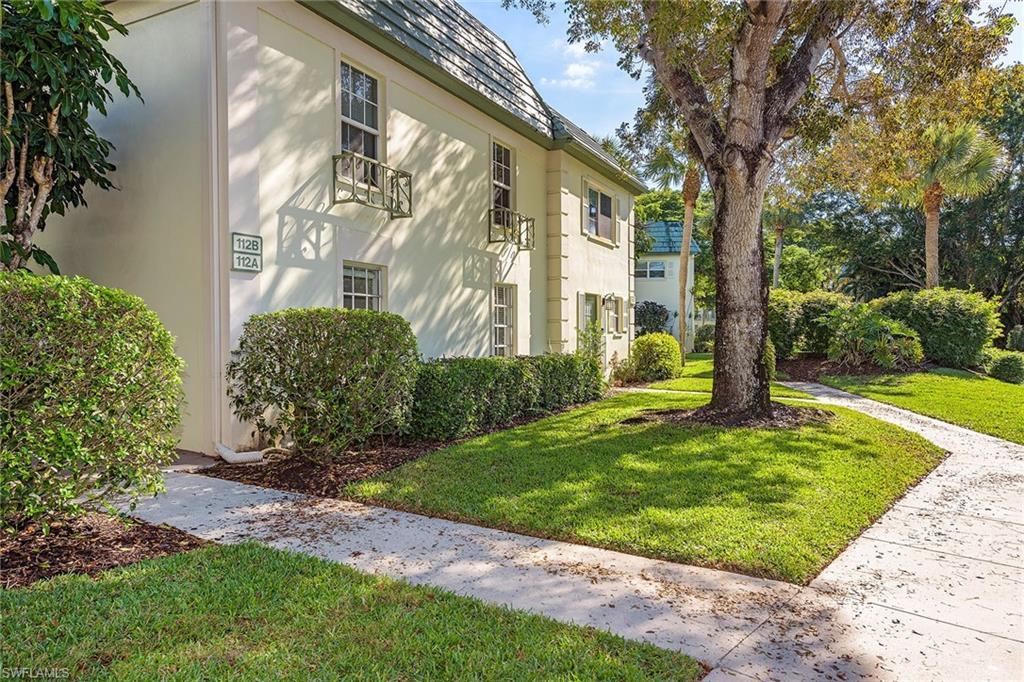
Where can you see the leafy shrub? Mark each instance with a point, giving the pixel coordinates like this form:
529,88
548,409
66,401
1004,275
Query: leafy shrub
655,357
783,313
328,378
90,397
769,359
650,317
954,325
812,327
455,397
1015,338
566,379
861,334
704,338
1006,365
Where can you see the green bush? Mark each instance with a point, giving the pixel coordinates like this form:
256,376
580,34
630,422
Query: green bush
650,317
769,359
783,314
704,338
90,397
861,334
1015,338
954,325
327,378
812,327
566,379
1006,365
655,357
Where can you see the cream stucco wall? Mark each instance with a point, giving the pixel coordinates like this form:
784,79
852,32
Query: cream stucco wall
152,237
666,291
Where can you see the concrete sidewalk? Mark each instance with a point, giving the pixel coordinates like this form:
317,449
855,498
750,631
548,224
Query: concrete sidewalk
934,590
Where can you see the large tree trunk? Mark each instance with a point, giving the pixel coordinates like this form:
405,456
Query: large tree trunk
691,190
740,384
777,266
932,204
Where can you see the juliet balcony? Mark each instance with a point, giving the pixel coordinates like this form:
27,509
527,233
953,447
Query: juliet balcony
511,227
362,180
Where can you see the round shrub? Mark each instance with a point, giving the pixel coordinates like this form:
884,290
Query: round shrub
783,313
1006,365
1015,338
704,338
655,357
326,378
861,335
650,317
812,326
954,325
90,397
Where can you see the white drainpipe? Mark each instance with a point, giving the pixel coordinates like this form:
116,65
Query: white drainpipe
232,457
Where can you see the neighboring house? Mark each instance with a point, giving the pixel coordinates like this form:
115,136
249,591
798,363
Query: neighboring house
383,155
657,274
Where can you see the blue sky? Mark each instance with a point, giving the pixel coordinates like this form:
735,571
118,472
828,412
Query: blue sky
588,87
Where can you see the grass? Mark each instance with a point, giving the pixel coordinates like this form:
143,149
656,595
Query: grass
250,612
779,503
971,400
697,373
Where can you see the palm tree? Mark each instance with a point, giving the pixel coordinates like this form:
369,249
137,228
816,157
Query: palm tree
958,161
780,217
667,167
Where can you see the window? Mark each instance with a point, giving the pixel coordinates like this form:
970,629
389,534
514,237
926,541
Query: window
591,306
600,222
504,320
501,182
360,130
649,269
362,287
616,316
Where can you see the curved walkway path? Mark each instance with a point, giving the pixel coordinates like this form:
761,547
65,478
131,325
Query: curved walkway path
933,591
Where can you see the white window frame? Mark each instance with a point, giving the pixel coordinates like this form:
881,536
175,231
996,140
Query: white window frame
644,266
508,349
612,238
378,132
511,186
379,298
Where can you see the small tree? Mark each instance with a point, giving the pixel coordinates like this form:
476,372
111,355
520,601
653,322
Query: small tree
54,69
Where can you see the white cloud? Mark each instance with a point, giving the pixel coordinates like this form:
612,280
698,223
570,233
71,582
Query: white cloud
576,75
576,50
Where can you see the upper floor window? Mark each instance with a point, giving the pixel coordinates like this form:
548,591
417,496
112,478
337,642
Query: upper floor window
501,181
649,269
362,287
600,221
360,127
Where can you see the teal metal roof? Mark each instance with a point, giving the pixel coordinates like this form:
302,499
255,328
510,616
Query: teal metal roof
444,42
668,237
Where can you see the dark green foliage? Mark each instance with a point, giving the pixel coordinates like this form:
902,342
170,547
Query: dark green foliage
1015,338
811,327
650,317
327,378
1006,365
90,397
783,314
655,357
769,359
704,338
566,379
954,325
861,335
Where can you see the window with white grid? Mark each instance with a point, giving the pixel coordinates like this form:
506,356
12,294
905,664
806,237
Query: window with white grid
362,287
649,269
600,221
504,320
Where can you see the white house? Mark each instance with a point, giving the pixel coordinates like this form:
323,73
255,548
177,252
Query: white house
657,274
386,155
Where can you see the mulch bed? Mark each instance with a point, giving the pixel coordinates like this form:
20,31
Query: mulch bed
783,417
809,369
323,479
90,544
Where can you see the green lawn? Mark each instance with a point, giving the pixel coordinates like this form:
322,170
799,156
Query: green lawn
778,503
249,612
977,402
697,373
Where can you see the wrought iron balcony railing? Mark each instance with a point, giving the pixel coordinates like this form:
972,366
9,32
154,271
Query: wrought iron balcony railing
511,227
369,182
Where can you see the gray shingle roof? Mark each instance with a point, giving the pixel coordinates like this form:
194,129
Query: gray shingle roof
668,237
445,34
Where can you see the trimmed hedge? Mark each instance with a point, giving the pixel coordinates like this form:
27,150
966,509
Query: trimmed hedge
861,334
90,397
1005,365
812,328
704,338
783,314
457,397
954,325
655,357
329,378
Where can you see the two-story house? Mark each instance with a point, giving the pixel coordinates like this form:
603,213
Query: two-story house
657,274
383,155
